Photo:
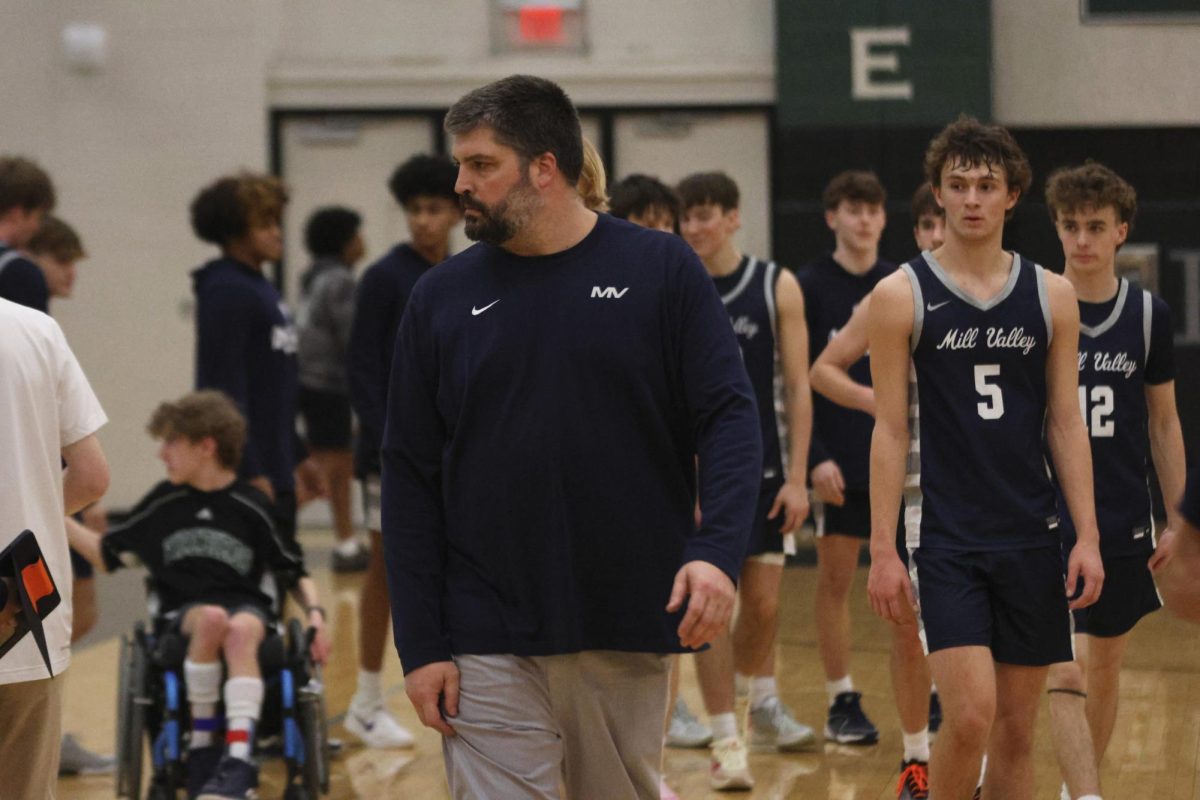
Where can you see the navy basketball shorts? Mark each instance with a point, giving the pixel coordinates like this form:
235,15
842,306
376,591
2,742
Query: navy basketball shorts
1011,601
1128,595
766,540
852,518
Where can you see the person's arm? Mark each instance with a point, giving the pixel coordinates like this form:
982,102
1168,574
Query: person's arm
86,542
306,595
1179,580
890,328
341,311
792,498
367,366
225,326
1170,462
830,374
1067,440
728,442
85,479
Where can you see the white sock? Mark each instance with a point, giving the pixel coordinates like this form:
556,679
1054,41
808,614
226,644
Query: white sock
348,547
724,726
369,694
1088,797
916,746
203,681
841,685
243,702
762,690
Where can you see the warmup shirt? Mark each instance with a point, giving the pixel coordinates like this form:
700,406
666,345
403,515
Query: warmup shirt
324,330
203,547
1125,344
977,412
246,347
544,417
839,433
22,281
749,296
383,292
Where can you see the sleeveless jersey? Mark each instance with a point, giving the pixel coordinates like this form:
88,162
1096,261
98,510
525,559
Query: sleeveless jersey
977,473
749,297
1112,399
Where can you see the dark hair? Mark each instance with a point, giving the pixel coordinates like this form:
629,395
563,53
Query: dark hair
702,188
856,186
970,143
638,195
924,204
329,230
424,176
24,184
58,239
230,206
1092,185
199,415
529,114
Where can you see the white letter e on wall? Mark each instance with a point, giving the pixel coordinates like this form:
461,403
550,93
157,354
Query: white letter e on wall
865,62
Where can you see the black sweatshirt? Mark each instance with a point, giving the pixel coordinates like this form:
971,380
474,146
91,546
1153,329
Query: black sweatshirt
544,417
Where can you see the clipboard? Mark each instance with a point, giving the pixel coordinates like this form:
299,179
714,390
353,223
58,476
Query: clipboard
37,593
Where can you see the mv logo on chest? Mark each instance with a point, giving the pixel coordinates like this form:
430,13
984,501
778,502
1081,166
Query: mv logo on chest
609,292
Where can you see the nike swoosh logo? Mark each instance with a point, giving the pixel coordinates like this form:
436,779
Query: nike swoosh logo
932,307
475,312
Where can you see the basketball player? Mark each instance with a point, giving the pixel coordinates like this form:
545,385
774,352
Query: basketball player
26,197
992,339
1127,398
767,312
916,700
423,186
833,285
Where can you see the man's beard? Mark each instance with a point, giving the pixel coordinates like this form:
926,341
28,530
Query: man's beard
504,220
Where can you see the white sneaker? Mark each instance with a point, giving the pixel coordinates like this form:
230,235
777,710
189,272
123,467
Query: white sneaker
378,730
685,730
771,727
730,770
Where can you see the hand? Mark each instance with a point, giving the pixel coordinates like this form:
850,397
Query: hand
1165,550
310,482
828,484
793,501
890,590
263,484
710,605
321,646
1084,563
426,685
8,614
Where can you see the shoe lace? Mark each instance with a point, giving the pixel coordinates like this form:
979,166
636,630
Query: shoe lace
916,777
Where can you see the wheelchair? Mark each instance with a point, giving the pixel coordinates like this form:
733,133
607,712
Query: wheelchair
153,714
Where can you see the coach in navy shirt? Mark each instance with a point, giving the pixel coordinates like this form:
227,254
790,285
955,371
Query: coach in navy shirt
551,389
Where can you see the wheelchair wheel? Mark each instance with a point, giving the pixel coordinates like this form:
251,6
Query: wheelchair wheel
316,738
131,720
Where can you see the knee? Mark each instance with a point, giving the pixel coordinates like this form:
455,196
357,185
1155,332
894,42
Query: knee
243,636
760,610
1066,677
211,622
906,645
969,726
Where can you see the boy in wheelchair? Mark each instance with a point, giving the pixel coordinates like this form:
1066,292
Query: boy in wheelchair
208,542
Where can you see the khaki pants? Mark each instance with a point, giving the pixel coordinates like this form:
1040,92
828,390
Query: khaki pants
30,738
591,722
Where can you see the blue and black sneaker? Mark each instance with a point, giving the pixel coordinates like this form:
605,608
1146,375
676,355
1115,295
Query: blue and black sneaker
201,765
234,779
935,712
847,723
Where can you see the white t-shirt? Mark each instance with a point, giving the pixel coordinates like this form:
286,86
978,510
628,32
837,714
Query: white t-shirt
46,404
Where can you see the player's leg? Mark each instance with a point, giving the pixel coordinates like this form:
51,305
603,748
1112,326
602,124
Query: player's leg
1010,747
205,627
910,683
714,673
1105,656
338,468
837,562
966,680
368,717
236,774
1067,687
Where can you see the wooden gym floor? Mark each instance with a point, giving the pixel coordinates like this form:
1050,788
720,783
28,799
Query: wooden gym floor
1155,750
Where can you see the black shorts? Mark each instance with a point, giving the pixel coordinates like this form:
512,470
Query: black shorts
852,518
1128,595
327,419
81,567
765,535
1011,601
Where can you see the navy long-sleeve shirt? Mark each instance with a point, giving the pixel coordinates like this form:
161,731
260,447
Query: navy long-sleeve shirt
379,304
544,416
22,281
246,347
